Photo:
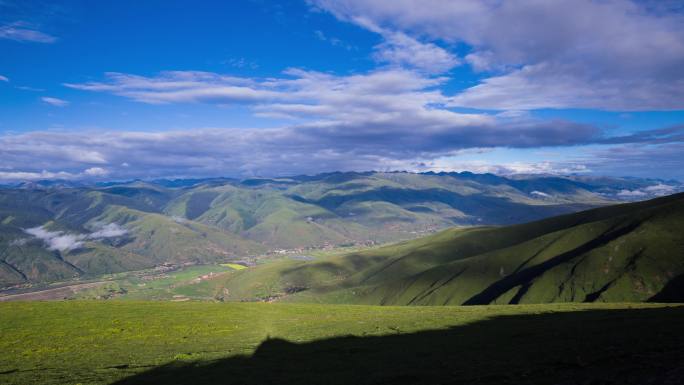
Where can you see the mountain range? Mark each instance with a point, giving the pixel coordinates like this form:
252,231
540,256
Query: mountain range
55,230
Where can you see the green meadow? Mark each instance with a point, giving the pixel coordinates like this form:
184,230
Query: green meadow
129,342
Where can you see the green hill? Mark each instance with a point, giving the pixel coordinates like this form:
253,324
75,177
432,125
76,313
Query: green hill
143,238
222,220
627,252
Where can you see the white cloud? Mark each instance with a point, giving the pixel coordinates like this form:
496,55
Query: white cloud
57,240
111,230
23,175
54,101
631,193
655,190
425,144
22,32
480,61
661,189
4,78
358,143
185,87
63,241
95,171
540,193
547,86
402,50
391,116
612,55
30,175
355,110
510,168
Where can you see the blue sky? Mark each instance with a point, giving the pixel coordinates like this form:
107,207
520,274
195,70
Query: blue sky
118,90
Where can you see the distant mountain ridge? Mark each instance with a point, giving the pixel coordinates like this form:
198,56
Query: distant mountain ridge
222,219
610,186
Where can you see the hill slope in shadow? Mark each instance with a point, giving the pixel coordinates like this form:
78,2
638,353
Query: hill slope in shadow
622,253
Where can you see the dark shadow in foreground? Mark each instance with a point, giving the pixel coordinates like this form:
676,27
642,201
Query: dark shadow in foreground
635,346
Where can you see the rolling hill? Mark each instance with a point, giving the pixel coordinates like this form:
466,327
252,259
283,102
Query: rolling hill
621,253
56,230
60,234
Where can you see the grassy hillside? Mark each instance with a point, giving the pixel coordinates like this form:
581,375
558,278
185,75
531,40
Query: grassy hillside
148,238
97,342
353,207
629,252
205,221
164,239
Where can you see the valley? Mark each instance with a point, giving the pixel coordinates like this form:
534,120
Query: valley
55,232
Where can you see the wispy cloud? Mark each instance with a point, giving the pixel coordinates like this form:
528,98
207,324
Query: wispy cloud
655,190
110,230
22,32
55,101
57,240
400,49
27,88
63,241
95,172
29,175
184,86
92,172
504,168
241,63
320,35
381,98
4,79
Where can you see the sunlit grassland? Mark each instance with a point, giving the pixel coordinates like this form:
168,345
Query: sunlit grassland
160,285
99,342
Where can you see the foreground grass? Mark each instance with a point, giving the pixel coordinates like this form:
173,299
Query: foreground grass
91,342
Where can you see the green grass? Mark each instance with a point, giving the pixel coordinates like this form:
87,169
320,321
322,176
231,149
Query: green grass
187,274
228,221
152,284
98,342
182,282
622,253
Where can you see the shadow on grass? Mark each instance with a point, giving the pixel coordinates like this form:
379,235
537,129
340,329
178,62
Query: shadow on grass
636,346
